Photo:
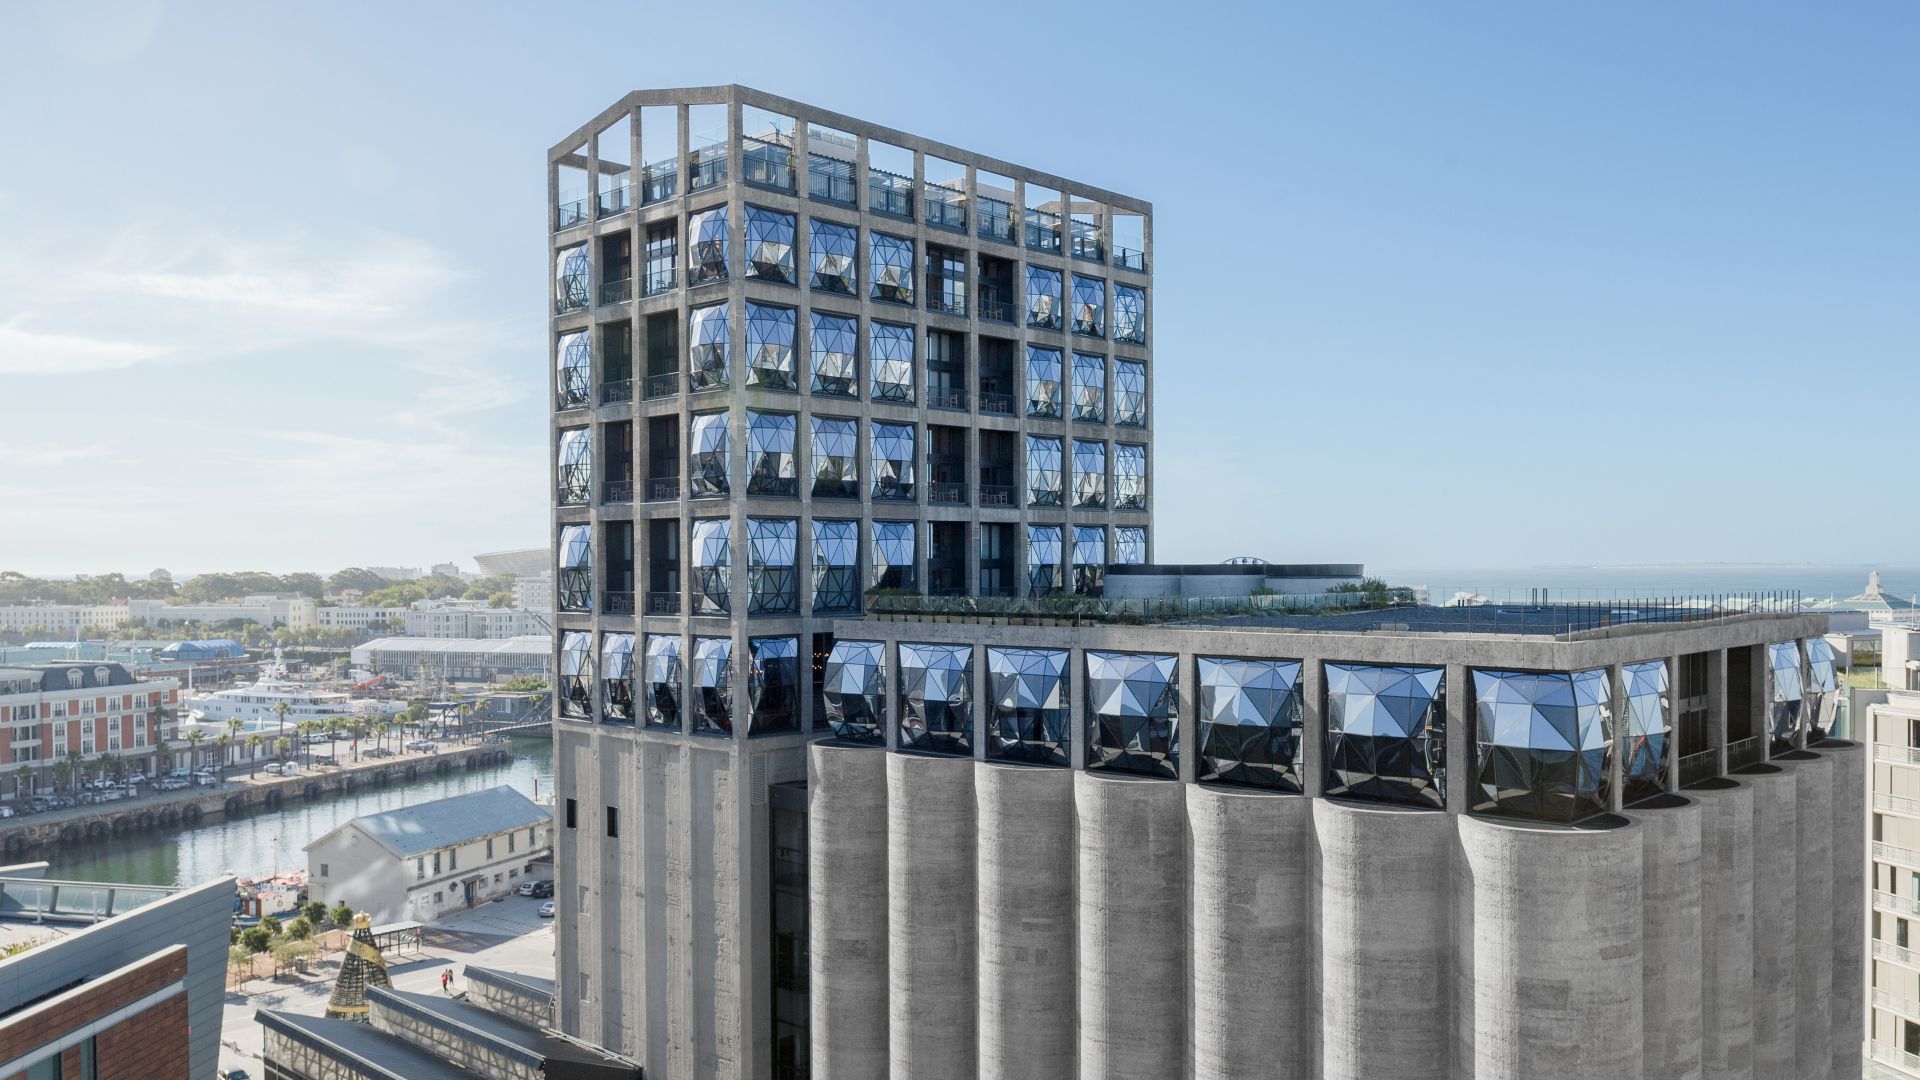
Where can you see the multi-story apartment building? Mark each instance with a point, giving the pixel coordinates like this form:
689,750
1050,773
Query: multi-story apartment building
51,711
293,612
61,620
358,617
1889,720
797,357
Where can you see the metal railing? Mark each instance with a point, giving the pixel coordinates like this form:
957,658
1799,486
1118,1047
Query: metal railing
996,219
709,168
657,181
1894,804
889,193
1092,609
1744,752
830,179
1886,951
1895,1003
1129,259
940,397
945,303
663,603
1899,755
766,164
663,487
1893,1055
1697,767
997,404
949,494
996,495
618,291
615,391
616,603
1903,905
946,212
1886,852
1087,244
616,491
996,310
572,300
616,200
1043,231
667,385
659,281
570,213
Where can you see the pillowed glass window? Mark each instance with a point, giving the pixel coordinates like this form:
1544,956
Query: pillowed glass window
1129,477
1031,709
770,457
836,565
1089,559
1132,699
1090,388
1043,298
1129,393
713,685
1788,692
1043,470
836,458
570,279
707,344
936,698
707,453
894,557
854,686
712,566
1090,473
773,686
1649,730
891,355
770,246
1043,383
1043,559
663,680
772,566
833,341
890,261
1130,314
770,347
707,246
1130,545
1250,722
1089,306
830,255
1542,743
1822,687
1386,733
892,460
576,568
573,383
616,676
576,675
576,467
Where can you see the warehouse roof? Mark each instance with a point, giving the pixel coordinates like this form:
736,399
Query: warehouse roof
462,819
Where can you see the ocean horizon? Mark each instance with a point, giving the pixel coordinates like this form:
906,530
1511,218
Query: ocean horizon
1651,580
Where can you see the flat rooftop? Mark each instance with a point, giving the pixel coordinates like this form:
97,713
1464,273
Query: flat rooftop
1550,620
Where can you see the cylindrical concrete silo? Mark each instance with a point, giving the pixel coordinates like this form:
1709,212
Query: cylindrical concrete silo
1726,930
1251,980
1670,929
931,950
847,895
1813,936
1776,910
1026,965
1132,927
1849,902
1384,880
1555,934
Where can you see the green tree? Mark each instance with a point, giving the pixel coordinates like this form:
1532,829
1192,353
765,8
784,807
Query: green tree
300,929
303,583
280,711
194,738
272,923
254,742
225,742
282,748
397,596
353,577
314,912
256,939
63,773
23,785
380,730
342,916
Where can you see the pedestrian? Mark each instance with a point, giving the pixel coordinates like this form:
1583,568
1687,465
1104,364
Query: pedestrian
444,976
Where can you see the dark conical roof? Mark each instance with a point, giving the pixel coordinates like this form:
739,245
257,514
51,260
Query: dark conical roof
360,968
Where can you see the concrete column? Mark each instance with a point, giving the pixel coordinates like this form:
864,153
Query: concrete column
1313,728
1459,739
1813,973
1850,768
1717,706
1556,941
1671,929
1775,916
1026,922
931,954
1617,710
1726,928
847,898
1132,914
1249,928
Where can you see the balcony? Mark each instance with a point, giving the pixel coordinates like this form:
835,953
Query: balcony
941,494
1896,854
996,310
996,404
659,386
945,303
946,210
659,281
615,391
996,219
1697,767
1744,752
1883,999
890,194
570,212
1894,804
1887,1054
940,397
1043,231
830,179
1883,950
663,487
616,603
1899,755
1086,243
1130,259
657,181
616,491
618,291
616,200
766,164
1902,905
996,495
663,603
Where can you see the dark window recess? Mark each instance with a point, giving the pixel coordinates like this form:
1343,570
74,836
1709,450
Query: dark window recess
998,463
573,814
1692,725
613,822
663,354
996,560
618,559
663,457
616,462
947,559
997,387
787,828
822,649
663,561
947,465
946,369
616,267
663,256
946,281
616,362
995,286
1742,723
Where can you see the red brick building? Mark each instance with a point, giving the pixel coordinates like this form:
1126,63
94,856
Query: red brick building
51,711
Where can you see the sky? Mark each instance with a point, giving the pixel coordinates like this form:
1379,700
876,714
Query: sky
1475,284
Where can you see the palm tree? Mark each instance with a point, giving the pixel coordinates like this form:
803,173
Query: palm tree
306,728
62,772
281,709
282,748
161,759
235,726
380,730
194,738
225,743
466,712
254,742
23,785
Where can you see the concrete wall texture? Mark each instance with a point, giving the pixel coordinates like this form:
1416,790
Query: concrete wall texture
978,918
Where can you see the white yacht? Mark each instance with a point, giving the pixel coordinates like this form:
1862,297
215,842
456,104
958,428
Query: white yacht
256,706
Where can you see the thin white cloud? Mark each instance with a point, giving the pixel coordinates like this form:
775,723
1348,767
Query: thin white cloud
28,352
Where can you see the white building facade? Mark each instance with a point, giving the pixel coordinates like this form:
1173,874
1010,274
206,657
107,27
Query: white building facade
359,617
61,620
51,711
293,612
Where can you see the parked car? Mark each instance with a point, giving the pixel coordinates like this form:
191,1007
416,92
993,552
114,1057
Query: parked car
526,888
546,910
181,773
324,759
273,768
377,751
426,745
6,811
207,778
235,1074
543,887
136,777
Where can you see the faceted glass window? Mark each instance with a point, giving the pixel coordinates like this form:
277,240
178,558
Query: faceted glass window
1129,477
1043,470
891,355
1250,722
707,246
707,451
713,685
1131,702
616,675
1043,559
712,566
836,458
830,255
1822,687
1031,709
576,467
1090,388
1090,473
770,347
1043,382
854,685
1043,298
1386,733
1130,314
832,341
574,373
773,686
890,261
772,566
1089,306
663,680
1129,545
1788,698
1130,393
770,246
576,568
836,565
1542,743
576,675
1649,730
770,460
570,276
936,698
894,557
707,347
1089,559
892,460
